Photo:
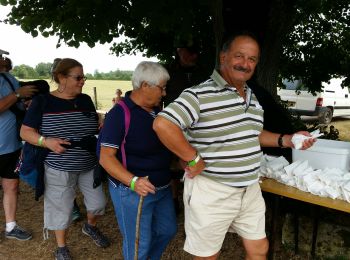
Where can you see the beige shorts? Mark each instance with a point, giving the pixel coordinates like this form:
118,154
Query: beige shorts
212,209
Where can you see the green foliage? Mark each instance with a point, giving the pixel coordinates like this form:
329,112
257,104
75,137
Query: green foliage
304,39
43,71
24,72
152,27
297,123
332,133
318,48
329,131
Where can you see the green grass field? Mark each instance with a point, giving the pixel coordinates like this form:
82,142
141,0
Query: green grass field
105,91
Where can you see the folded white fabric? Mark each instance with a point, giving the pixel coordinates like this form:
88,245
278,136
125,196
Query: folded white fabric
316,188
290,168
298,139
345,190
272,167
331,177
277,164
329,182
301,168
332,192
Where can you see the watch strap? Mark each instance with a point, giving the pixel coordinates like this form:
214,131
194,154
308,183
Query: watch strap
280,140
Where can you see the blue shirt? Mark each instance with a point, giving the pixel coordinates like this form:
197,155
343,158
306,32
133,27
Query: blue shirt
145,154
8,131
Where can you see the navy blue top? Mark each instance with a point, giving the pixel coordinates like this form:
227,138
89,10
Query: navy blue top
72,120
145,154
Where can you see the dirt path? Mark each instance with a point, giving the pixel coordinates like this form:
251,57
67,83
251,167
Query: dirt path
30,216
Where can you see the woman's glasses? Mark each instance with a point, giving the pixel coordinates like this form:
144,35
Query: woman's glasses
77,77
162,88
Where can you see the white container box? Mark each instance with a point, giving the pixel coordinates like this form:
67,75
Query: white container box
325,154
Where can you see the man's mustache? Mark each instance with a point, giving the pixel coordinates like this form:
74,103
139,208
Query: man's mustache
242,69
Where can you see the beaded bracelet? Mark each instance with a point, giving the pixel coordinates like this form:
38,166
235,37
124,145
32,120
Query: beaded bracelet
132,183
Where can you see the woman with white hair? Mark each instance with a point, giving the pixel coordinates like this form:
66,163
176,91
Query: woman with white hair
146,176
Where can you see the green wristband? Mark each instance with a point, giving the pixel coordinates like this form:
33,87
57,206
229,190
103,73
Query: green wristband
132,183
194,161
40,141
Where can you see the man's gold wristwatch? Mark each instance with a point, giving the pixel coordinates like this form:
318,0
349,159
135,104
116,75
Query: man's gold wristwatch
194,161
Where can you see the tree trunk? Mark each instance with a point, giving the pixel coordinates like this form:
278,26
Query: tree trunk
279,24
218,27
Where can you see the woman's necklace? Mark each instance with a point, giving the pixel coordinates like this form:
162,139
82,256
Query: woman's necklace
73,102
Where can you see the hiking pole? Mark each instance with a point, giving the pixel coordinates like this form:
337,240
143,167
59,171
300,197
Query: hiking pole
137,233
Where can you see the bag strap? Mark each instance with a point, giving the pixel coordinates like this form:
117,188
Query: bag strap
127,124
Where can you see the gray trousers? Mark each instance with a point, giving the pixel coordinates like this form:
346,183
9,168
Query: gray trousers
60,193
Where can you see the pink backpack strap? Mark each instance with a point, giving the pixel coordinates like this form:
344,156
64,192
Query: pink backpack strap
127,124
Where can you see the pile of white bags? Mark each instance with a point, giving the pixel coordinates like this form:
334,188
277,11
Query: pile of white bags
333,183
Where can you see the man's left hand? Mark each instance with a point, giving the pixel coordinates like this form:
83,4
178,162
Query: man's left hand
307,143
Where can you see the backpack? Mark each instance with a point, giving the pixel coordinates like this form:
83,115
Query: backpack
30,156
127,125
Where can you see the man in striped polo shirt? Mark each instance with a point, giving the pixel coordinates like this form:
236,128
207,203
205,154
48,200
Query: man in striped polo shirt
217,128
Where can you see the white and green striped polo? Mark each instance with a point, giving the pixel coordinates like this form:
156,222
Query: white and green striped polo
222,127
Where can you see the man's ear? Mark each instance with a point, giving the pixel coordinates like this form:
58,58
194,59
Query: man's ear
222,57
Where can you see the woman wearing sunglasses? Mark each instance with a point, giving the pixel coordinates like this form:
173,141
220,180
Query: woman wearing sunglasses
65,125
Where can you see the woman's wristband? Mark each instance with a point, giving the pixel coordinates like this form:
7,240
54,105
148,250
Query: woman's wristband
132,183
40,141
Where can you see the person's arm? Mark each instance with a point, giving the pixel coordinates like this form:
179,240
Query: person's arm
173,138
269,139
7,102
109,161
32,122
32,136
23,92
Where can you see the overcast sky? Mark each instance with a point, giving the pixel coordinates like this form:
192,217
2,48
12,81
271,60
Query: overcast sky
24,49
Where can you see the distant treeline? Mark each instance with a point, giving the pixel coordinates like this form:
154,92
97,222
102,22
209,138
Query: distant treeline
43,71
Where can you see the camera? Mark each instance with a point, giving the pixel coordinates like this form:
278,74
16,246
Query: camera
42,86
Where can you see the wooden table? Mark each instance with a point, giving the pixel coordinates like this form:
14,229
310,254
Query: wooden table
281,190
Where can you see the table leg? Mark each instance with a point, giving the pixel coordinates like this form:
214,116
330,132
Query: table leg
296,232
274,236
316,212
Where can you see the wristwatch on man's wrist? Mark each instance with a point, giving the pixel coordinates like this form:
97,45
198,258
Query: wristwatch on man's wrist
194,161
280,141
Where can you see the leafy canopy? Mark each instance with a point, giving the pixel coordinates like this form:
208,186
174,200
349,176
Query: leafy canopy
312,37
318,47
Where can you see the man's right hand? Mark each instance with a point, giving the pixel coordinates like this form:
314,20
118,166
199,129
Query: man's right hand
27,91
193,171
